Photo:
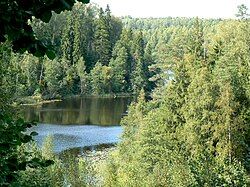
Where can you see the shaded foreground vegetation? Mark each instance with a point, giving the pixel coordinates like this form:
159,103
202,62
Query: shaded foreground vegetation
86,169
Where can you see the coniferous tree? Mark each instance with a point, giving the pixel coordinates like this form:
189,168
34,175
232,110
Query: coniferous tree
87,29
100,79
77,47
102,41
68,41
118,68
114,26
194,132
149,62
126,40
138,65
242,12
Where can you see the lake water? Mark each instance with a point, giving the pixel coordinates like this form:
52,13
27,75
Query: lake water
76,136
82,111
78,122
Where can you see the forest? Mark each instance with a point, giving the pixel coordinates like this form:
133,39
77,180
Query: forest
189,124
95,55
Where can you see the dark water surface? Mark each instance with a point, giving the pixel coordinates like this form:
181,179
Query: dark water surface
78,122
83,111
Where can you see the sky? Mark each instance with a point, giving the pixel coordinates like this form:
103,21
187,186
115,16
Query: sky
174,8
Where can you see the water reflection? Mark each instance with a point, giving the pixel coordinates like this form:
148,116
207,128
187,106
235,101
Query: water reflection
87,110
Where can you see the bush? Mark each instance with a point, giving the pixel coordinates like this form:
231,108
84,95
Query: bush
12,133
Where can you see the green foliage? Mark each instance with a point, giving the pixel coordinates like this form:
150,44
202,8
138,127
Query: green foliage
32,176
102,41
29,70
195,130
118,68
64,172
53,76
14,18
12,136
68,41
100,79
81,39
137,65
84,78
7,70
149,24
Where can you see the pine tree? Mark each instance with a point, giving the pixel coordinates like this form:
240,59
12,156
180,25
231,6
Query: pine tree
102,41
87,29
242,12
138,78
195,132
114,25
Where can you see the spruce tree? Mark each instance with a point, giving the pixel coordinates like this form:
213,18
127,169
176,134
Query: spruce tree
102,39
138,78
126,40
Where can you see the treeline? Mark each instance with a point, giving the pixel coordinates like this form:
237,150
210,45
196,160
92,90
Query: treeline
195,131
156,23
94,55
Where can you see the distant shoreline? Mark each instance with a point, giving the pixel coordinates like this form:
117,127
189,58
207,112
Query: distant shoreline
35,100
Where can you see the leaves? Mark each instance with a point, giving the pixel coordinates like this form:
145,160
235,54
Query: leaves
12,136
14,18
195,131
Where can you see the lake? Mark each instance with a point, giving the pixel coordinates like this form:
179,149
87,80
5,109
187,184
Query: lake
78,122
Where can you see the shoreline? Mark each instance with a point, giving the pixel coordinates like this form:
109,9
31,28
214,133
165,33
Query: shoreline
34,100
41,102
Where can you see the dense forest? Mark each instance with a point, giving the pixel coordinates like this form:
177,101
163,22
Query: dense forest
189,125
95,55
195,130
